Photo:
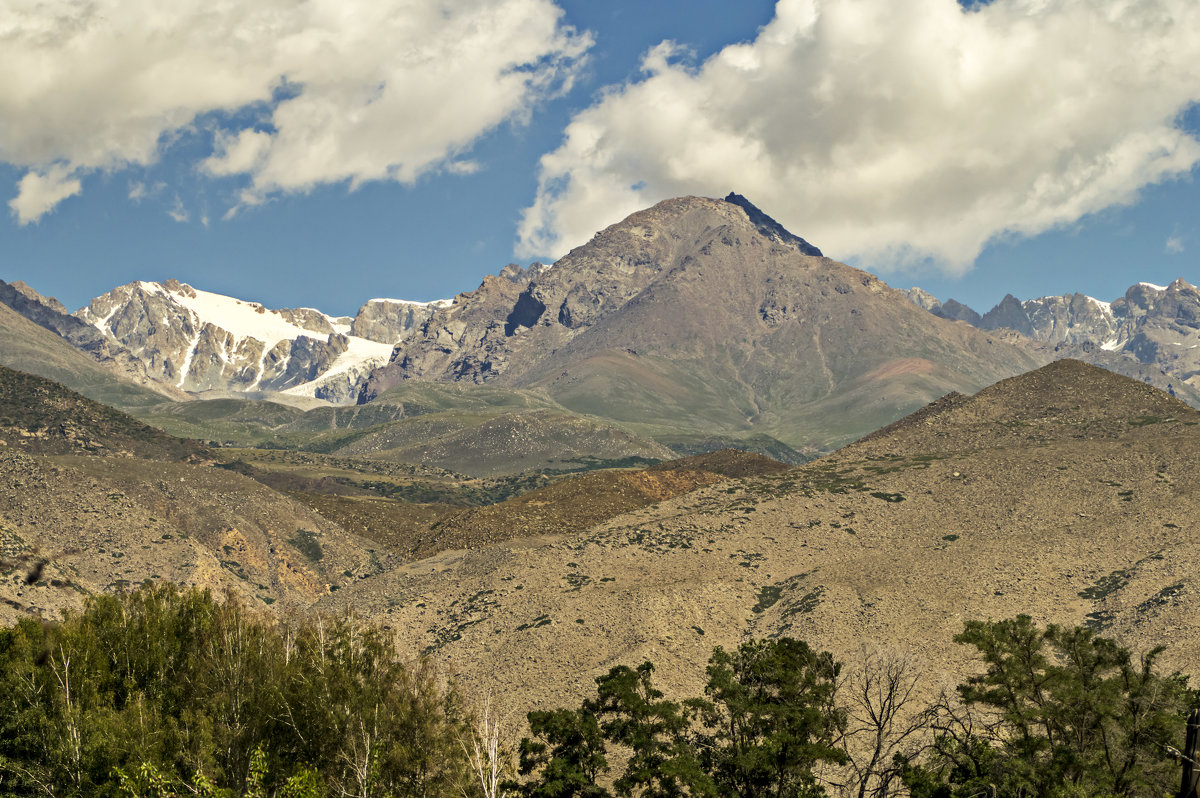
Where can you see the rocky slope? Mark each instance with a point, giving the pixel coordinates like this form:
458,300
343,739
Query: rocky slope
29,347
702,316
1066,494
50,314
91,500
198,341
38,416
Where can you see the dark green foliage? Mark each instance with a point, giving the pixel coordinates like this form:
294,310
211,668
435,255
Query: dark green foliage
772,718
768,595
1057,712
567,753
768,721
164,692
307,544
662,761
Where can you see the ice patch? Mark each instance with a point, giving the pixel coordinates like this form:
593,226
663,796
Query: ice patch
436,303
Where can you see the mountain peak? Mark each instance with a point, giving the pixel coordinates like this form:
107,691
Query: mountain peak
769,227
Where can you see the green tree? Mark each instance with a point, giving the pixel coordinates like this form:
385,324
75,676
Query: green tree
662,761
565,756
161,690
772,719
1057,711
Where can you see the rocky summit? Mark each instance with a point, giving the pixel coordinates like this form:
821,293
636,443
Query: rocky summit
698,316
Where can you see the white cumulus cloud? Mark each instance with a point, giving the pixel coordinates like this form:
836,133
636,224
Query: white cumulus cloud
893,130
319,90
38,192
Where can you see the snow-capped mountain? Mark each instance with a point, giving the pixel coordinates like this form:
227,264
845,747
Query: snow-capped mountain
1154,325
199,341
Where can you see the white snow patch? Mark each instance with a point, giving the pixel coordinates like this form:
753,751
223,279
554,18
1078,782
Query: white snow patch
361,356
240,319
262,368
340,324
1110,345
1106,307
191,353
102,324
437,303
1155,287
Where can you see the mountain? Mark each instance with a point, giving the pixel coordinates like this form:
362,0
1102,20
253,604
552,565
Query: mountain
702,317
50,314
951,309
36,349
1064,493
1151,333
198,341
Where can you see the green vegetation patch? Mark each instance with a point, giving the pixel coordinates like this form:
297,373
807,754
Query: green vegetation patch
305,542
1161,598
1144,421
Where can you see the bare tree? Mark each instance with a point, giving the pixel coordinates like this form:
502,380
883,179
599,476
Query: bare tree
490,760
884,719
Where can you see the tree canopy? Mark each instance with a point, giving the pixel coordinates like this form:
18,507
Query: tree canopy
163,690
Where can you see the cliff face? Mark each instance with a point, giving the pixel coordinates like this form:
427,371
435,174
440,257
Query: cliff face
391,320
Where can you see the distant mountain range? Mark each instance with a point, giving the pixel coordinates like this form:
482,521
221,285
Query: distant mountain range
694,324
189,341
1151,333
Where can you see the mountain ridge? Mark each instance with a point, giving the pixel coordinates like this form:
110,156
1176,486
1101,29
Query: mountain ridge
1152,332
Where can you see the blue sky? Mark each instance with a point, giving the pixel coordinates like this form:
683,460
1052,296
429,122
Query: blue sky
1022,147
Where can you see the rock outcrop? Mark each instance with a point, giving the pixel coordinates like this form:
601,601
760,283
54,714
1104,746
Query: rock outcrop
390,321
197,341
52,315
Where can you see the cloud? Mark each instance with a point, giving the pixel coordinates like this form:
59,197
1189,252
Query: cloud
139,191
1174,245
893,130
38,192
299,93
178,212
